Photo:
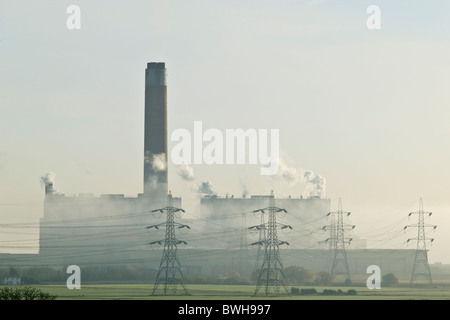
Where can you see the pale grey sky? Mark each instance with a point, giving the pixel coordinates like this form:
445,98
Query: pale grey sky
366,109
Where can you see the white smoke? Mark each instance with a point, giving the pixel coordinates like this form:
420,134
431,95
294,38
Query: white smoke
157,161
288,173
48,178
186,172
206,188
315,184
48,181
245,191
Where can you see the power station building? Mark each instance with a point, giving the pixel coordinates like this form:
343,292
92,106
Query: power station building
233,216
112,229
99,230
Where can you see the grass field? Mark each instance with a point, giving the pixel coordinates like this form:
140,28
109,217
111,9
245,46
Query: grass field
236,292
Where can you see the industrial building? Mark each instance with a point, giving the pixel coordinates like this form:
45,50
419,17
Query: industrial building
112,229
99,230
236,213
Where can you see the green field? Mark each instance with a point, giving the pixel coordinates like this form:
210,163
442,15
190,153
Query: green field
236,292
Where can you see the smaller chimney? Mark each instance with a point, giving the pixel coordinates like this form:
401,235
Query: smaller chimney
49,188
47,181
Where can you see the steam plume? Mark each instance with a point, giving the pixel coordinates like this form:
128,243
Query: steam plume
245,191
48,180
288,173
186,172
315,184
206,188
157,161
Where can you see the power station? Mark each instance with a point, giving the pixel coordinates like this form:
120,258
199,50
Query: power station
111,229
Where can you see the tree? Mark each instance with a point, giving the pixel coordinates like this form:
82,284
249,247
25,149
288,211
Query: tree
296,275
37,274
389,280
13,272
348,282
323,278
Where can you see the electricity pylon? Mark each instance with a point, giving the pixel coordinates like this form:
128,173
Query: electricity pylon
338,240
421,268
169,273
271,275
261,240
331,240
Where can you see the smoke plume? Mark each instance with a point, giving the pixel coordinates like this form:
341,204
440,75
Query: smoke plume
48,178
48,181
157,161
206,188
288,173
245,191
315,184
186,172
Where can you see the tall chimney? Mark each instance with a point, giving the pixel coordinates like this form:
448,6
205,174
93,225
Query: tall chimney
155,139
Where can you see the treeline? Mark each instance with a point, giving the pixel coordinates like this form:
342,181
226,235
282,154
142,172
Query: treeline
299,276
294,275
325,292
35,275
38,275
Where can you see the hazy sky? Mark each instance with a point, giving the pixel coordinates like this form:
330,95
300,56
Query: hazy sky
366,109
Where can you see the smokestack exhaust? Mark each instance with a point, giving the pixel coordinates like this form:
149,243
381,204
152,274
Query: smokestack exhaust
155,139
47,180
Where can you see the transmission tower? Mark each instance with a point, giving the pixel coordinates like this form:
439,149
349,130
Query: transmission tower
271,275
331,240
169,273
421,268
261,240
337,241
